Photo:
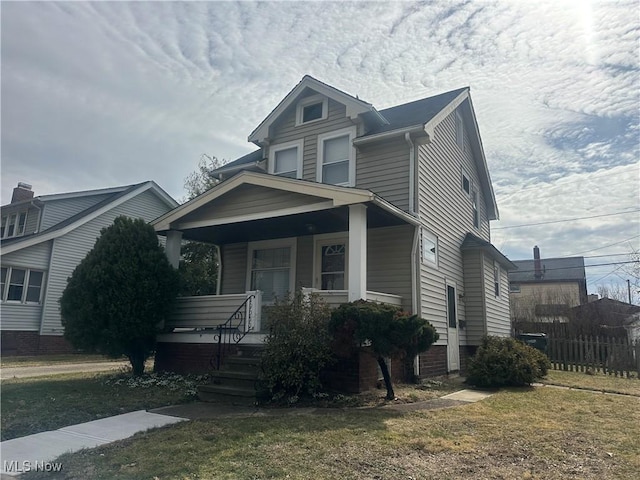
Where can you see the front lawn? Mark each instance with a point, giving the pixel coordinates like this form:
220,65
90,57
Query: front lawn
42,360
599,381
540,433
32,405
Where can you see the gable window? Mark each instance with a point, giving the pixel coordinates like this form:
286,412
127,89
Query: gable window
13,225
336,158
496,278
514,288
21,285
459,131
286,159
311,109
271,268
429,247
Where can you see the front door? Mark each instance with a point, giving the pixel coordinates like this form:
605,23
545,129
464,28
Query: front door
453,342
331,264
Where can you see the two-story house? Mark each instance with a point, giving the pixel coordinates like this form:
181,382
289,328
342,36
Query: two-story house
544,289
353,203
42,240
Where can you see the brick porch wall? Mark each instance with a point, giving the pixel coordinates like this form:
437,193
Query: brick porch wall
433,362
186,358
21,343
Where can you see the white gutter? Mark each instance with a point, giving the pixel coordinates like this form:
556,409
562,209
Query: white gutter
412,164
393,133
415,304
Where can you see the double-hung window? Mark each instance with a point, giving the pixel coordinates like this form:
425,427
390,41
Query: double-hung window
13,225
429,250
21,285
336,158
286,159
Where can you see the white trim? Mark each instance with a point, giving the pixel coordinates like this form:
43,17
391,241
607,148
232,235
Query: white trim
350,133
30,241
25,285
426,234
357,266
255,216
323,240
291,242
417,129
312,100
273,149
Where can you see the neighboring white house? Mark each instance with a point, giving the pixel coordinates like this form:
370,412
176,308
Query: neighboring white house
351,202
42,241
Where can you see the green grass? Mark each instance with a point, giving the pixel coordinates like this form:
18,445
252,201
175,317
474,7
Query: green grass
41,360
513,434
598,381
32,405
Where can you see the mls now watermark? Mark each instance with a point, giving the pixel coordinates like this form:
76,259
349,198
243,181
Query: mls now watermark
15,466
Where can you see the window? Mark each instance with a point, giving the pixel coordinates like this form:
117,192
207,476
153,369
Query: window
286,159
474,201
13,225
514,288
311,109
21,285
271,267
336,158
496,278
459,131
466,184
429,247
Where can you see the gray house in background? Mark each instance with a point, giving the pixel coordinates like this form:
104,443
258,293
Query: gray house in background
350,202
42,241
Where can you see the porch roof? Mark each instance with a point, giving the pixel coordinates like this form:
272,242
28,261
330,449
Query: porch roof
254,206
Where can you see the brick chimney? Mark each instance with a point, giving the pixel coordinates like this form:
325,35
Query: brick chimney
22,192
536,263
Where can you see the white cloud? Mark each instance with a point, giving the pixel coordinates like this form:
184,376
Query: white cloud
107,93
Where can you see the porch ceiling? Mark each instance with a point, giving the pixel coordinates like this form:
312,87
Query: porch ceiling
309,223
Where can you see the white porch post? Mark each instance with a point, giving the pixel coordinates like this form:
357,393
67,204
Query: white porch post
172,249
357,252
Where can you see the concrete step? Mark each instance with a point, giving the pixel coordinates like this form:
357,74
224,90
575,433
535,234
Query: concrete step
226,394
232,378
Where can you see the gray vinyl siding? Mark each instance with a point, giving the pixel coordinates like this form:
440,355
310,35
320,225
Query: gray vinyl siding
383,168
447,212
31,226
71,248
249,199
234,268
389,262
21,316
474,297
55,211
285,130
497,307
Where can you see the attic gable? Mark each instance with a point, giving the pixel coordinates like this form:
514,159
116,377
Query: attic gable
311,92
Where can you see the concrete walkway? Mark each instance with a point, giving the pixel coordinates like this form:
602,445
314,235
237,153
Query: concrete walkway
41,449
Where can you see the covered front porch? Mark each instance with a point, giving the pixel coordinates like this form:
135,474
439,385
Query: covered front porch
278,235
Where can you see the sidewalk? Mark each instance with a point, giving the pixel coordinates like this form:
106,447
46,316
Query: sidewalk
41,449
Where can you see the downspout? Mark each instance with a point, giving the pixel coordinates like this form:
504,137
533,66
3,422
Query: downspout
415,304
219,276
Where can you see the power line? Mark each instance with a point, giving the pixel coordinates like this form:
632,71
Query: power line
610,245
566,220
579,266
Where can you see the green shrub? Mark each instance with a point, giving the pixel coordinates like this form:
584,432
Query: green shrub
506,362
297,347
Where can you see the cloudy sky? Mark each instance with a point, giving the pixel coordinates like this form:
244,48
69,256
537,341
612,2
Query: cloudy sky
111,93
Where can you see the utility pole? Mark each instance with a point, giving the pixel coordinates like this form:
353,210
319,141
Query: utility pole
629,290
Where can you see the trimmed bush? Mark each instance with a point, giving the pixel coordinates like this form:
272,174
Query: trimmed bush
297,347
506,362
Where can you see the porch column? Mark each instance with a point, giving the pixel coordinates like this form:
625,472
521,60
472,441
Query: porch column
172,249
357,252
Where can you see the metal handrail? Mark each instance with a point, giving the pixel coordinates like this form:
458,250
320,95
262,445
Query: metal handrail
230,330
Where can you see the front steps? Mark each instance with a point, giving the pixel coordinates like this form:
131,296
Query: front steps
235,382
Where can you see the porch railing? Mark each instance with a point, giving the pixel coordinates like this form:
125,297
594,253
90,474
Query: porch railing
335,298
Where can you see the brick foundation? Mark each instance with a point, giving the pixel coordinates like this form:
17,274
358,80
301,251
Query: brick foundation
433,362
186,358
20,343
466,352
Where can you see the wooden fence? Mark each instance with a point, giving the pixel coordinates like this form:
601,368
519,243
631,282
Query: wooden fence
612,356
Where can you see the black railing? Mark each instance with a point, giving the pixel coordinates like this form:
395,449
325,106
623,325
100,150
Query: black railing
233,330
